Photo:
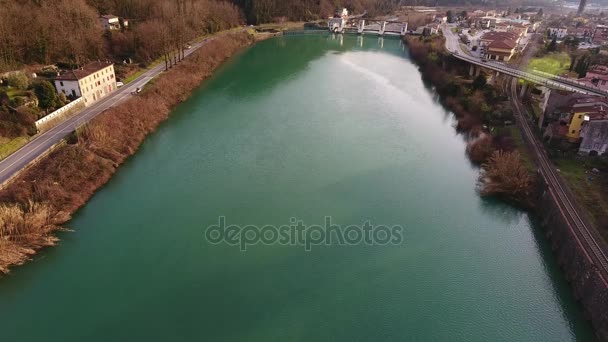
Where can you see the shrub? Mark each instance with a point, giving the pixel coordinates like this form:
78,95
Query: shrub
505,176
19,80
47,96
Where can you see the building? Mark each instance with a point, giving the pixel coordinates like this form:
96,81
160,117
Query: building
557,32
520,28
597,76
441,18
502,27
109,22
499,46
426,30
581,112
594,135
92,82
600,36
583,33
482,23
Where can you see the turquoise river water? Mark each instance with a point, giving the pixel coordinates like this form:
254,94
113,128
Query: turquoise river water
300,127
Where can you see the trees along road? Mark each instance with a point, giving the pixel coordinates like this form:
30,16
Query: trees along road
13,164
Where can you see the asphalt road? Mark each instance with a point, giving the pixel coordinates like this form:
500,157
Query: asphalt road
12,164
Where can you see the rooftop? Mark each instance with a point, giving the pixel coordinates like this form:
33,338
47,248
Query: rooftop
84,71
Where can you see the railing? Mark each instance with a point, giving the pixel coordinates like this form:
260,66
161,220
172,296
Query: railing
59,112
299,32
535,77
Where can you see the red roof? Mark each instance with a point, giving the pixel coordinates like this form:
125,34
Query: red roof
502,44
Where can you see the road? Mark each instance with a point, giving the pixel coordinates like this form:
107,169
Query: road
452,42
11,165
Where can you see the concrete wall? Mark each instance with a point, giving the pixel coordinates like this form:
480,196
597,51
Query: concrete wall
586,283
59,112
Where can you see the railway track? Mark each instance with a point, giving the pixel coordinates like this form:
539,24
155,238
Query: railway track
586,236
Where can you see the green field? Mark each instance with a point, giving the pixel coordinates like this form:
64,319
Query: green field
587,187
554,63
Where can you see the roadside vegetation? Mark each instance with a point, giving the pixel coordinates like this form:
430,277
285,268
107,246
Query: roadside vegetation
484,116
43,198
588,180
556,63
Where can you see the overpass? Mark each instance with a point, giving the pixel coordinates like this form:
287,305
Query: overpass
453,45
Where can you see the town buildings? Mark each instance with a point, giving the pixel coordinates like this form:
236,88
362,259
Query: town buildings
576,118
558,32
597,76
600,36
594,134
92,82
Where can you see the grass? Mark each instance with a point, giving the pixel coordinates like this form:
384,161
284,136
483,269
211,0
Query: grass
11,146
587,189
554,63
282,26
14,92
521,146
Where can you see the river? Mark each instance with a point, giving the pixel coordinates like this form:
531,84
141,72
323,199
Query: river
300,127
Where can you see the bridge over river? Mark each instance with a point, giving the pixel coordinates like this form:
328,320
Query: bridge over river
453,45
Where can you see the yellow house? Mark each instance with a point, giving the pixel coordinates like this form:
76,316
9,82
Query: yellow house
578,117
574,130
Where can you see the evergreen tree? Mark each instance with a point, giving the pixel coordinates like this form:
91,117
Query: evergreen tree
47,97
479,82
553,45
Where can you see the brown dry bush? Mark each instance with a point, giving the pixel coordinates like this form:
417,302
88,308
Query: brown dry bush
23,229
480,149
45,195
505,176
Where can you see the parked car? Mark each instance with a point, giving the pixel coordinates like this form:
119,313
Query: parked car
119,84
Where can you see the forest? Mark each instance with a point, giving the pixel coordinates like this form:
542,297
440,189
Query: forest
69,31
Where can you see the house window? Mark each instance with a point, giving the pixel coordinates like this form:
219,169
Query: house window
573,131
73,92
580,116
61,83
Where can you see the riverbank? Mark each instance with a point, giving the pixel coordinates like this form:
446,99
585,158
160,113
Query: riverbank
44,197
491,143
587,284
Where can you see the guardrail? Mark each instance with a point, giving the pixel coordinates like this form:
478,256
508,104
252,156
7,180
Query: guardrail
59,111
536,77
